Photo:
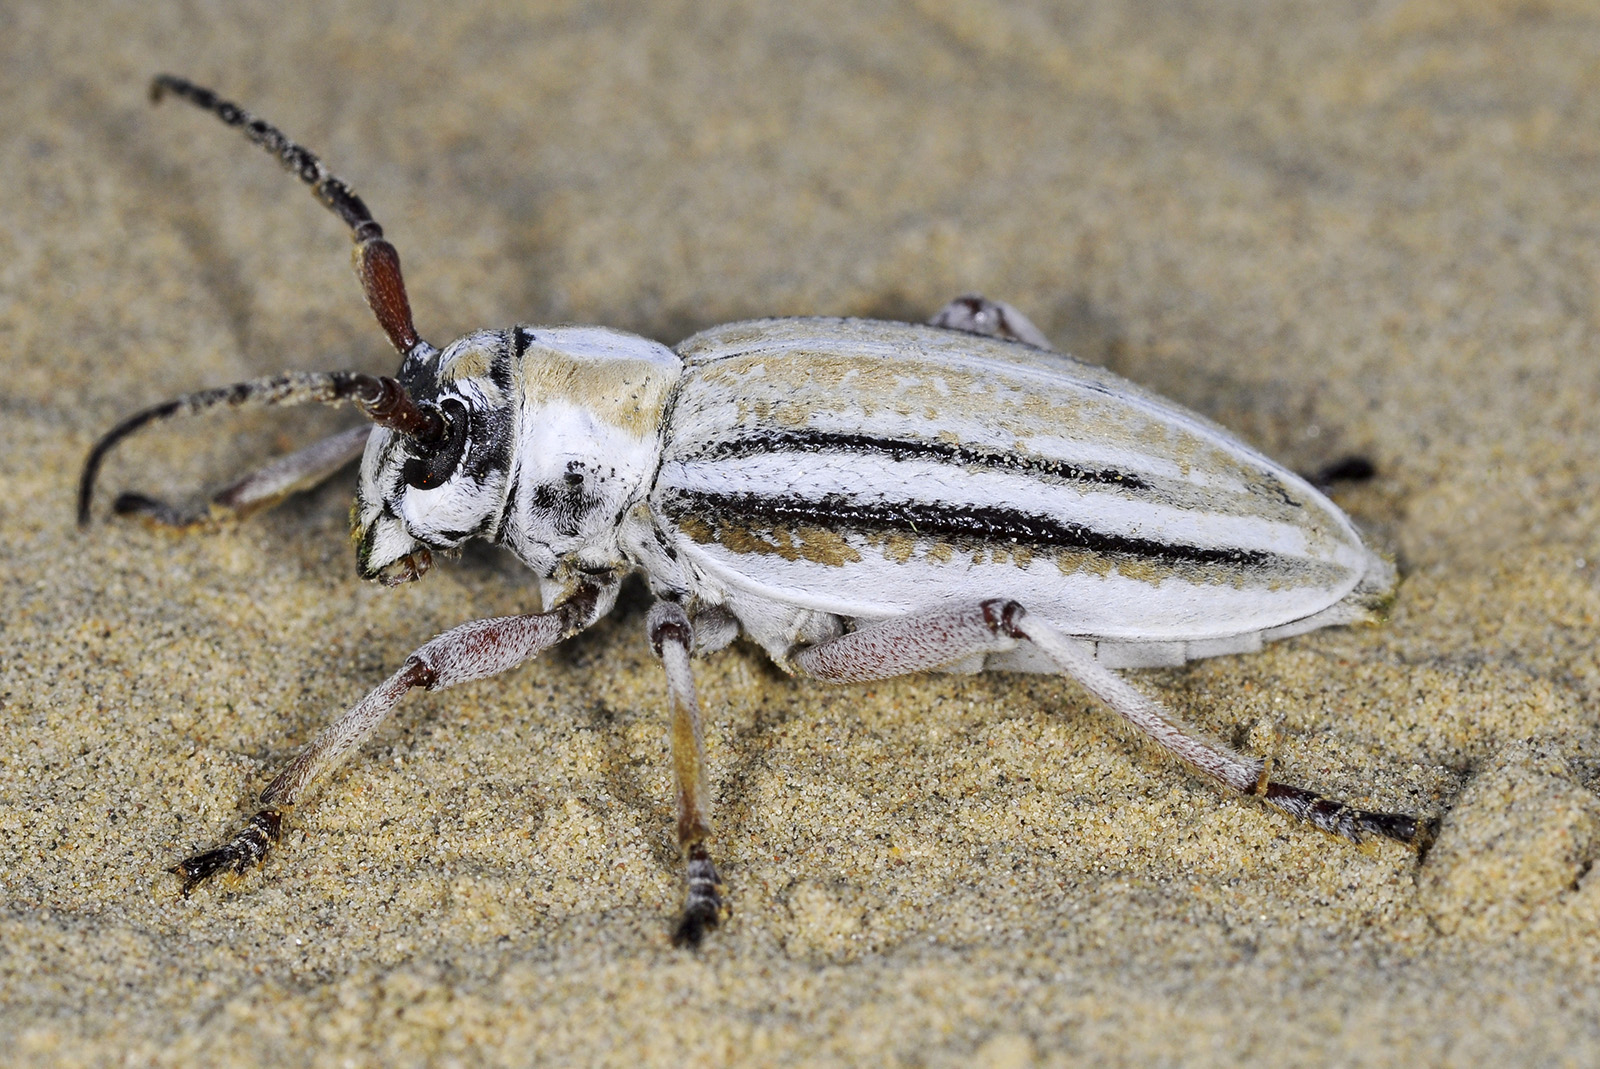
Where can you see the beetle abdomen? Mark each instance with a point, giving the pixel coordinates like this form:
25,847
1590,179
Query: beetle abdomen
868,469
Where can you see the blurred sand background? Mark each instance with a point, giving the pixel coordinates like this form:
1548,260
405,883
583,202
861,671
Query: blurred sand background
1336,228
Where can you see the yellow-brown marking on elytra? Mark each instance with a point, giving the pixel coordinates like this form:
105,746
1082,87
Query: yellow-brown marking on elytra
794,386
697,529
796,374
743,540
1154,572
899,547
816,544
822,546
1071,561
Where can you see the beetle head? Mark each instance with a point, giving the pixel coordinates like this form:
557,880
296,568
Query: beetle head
434,488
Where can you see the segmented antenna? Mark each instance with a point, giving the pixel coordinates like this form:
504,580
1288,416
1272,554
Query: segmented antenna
380,398
377,262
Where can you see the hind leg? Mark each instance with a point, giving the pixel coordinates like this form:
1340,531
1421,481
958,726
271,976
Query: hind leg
945,637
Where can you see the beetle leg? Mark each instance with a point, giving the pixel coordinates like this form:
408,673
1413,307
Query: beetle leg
472,651
976,314
672,637
920,642
259,490
1247,775
935,640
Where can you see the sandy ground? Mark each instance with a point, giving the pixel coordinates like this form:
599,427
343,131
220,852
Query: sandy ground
1335,228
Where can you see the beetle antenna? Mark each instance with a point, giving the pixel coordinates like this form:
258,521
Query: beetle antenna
381,399
377,263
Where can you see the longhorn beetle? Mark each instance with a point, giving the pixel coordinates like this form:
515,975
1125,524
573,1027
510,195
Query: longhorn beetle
861,499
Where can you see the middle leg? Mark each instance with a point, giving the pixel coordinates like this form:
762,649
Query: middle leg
672,637
257,491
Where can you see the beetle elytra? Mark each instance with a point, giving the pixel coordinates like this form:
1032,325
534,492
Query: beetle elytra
861,499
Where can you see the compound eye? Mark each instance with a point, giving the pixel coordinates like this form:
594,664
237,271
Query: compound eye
436,461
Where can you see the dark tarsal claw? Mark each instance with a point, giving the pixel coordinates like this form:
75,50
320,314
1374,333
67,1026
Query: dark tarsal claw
698,919
1347,821
1396,826
704,909
159,513
247,849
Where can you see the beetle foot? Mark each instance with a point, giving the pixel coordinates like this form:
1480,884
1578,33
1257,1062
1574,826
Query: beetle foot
1347,821
161,514
247,849
704,909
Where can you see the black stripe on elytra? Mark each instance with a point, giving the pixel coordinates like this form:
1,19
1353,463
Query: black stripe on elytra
956,523
806,441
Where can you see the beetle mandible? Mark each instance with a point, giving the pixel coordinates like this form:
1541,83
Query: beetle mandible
861,499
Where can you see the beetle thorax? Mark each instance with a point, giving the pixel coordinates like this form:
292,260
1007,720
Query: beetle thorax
588,442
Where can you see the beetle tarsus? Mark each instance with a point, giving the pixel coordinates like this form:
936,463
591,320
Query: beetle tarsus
704,908
1346,821
243,852
158,513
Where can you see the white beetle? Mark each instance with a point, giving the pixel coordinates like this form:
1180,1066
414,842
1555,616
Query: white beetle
862,499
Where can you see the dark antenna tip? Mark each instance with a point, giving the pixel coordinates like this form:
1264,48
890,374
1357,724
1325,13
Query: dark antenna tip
108,441
377,262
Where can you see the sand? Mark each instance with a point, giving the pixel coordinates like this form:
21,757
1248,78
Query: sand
1336,228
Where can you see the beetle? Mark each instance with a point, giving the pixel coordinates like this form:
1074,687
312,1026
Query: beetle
861,499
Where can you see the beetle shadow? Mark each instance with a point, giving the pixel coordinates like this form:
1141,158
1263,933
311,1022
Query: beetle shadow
166,189
626,775
626,784
184,202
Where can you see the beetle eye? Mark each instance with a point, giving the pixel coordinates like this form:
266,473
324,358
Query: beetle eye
436,461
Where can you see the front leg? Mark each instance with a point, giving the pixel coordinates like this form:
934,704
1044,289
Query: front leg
672,637
255,492
472,651
944,637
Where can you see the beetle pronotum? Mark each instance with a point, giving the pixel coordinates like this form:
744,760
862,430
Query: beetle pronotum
861,499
